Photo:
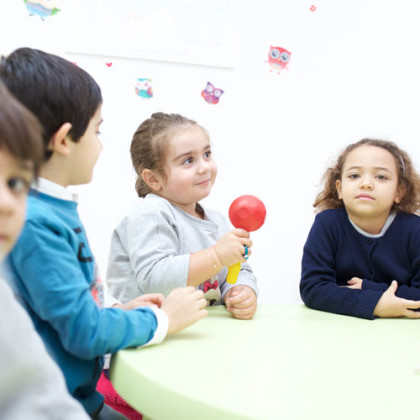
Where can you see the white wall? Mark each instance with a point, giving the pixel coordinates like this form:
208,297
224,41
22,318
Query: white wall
354,73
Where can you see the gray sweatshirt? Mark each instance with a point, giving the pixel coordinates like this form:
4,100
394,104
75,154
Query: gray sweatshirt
31,384
151,247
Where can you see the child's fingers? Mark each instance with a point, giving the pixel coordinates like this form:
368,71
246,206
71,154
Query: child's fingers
243,301
243,313
156,298
242,233
412,314
202,303
413,304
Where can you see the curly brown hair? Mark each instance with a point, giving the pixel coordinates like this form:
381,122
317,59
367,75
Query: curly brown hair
407,177
149,145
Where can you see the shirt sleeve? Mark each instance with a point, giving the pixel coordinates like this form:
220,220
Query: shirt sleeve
411,289
152,245
318,286
162,328
54,287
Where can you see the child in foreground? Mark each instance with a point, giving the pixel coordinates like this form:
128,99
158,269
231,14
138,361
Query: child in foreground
169,240
362,255
52,265
31,384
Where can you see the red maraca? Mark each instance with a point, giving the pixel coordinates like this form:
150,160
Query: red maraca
246,212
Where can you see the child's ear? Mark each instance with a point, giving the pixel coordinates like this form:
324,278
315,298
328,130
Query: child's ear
338,187
152,180
400,193
59,142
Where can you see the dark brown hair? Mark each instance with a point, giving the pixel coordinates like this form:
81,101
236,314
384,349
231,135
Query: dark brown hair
52,88
408,178
20,131
149,145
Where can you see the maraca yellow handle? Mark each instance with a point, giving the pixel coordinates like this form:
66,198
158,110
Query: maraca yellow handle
233,272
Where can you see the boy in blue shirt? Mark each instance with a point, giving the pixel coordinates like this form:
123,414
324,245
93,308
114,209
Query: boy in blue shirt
52,265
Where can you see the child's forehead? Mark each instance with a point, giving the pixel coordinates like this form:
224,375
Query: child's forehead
369,155
190,136
11,162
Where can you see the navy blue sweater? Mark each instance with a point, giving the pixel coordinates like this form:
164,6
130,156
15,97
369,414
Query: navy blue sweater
335,252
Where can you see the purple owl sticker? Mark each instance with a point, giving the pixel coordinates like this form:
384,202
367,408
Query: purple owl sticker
211,94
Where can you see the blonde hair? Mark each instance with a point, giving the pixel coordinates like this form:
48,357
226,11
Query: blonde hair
407,178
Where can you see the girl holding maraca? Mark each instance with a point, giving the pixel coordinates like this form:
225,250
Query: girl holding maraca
169,240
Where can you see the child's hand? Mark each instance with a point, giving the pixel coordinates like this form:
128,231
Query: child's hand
355,283
153,299
391,306
241,301
184,306
230,247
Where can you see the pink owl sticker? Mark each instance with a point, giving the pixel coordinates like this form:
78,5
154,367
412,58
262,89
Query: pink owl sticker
278,58
211,94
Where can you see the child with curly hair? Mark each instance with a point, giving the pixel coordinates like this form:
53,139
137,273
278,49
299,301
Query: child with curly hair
362,255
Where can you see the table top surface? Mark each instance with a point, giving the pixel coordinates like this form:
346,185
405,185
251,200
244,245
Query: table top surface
289,362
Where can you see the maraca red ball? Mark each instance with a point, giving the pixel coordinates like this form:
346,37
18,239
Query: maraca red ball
247,212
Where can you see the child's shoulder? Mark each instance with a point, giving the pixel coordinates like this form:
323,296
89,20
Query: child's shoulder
44,206
332,214
150,205
408,220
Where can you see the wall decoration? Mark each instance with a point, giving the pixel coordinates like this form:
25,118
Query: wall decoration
278,58
211,94
183,31
42,8
143,88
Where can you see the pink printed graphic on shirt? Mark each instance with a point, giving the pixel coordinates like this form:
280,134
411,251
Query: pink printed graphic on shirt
97,288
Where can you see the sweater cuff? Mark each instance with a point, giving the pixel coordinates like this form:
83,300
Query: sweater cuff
161,329
373,285
367,303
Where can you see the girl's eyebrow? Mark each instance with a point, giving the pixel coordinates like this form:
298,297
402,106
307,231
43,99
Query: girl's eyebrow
378,168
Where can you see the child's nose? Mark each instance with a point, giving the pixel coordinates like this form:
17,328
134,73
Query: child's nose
366,182
204,166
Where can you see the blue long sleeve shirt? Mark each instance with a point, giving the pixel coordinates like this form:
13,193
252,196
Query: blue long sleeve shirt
335,252
53,271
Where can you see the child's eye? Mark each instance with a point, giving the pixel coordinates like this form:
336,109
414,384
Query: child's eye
207,154
187,161
382,177
18,185
354,176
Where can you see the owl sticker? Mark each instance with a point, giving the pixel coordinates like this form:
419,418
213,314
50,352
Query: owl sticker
41,8
278,58
143,88
211,94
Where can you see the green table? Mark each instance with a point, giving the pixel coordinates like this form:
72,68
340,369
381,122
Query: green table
289,362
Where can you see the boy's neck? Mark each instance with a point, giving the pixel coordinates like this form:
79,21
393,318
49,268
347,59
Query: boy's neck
52,173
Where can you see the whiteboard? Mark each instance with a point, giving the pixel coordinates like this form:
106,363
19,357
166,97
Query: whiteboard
184,31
